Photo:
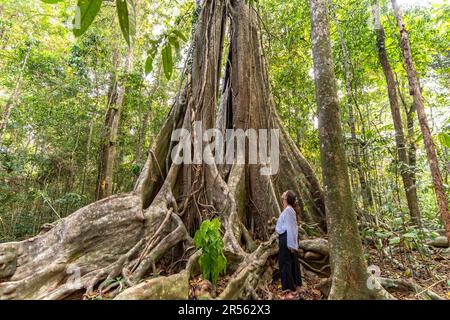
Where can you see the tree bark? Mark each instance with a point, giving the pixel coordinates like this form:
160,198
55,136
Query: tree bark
402,153
105,181
430,147
365,188
348,267
412,148
86,159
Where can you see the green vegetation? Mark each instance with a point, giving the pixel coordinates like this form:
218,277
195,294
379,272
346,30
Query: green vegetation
208,239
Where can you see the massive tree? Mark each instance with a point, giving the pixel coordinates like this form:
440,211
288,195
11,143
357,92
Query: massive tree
129,234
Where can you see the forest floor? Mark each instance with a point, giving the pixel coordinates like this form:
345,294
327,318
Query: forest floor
428,271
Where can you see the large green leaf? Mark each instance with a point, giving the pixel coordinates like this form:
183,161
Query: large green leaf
149,64
150,57
88,11
126,12
395,240
167,60
180,35
444,139
174,42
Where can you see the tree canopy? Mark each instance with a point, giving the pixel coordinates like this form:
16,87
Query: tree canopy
90,91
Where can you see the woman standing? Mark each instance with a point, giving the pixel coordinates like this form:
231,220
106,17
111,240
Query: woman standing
287,230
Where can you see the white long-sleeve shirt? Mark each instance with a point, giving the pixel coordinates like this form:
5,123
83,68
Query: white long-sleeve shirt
287,221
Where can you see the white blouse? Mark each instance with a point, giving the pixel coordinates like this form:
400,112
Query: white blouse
287,221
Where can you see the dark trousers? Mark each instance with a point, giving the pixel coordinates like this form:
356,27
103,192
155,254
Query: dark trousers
288,264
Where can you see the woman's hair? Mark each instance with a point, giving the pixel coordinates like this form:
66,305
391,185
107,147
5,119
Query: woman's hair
291,198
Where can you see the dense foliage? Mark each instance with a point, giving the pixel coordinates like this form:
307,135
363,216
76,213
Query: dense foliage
50,147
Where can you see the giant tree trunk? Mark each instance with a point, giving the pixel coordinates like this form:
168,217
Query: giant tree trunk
430,148
402,152
348,267
128,235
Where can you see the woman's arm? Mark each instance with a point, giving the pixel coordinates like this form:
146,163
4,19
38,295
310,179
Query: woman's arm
292,229
281,227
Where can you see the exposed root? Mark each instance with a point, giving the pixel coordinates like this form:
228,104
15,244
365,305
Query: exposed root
440,242
77,246
174,287
249,272
407,285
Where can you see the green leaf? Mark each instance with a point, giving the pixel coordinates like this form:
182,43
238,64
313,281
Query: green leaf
398,221
433,234
444,139
167,60
174,42
88,11
51,1
382,235
149,64
410,235
180,35
126,11
395,240
150,57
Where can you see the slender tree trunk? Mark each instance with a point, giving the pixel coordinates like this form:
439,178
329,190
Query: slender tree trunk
412,149
430,148
106,129
15,94
447,164
105,179
86,159
146,118
349,275
141,138
402,154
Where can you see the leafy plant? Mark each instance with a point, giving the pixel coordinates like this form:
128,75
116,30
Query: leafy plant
212,261
168,41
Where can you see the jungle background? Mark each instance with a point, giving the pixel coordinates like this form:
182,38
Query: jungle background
55,101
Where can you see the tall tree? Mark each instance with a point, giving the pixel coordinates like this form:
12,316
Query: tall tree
402,152
112,120
416,93
365,187
348,267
